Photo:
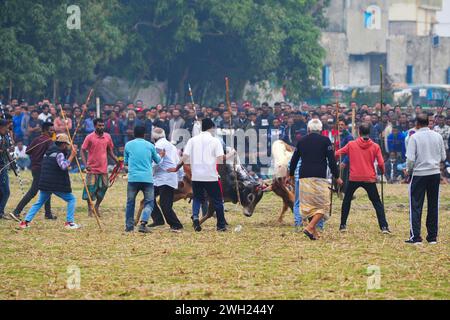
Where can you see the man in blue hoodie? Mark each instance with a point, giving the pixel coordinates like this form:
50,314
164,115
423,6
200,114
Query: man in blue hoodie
396,142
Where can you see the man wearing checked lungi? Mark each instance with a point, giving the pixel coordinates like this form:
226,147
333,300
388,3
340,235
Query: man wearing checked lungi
98,146
316,154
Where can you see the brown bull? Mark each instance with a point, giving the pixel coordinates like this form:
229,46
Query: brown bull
249,190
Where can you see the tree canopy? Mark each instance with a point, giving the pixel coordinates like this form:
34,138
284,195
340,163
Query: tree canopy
200,41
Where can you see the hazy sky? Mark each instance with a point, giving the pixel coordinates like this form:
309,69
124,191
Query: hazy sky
443,29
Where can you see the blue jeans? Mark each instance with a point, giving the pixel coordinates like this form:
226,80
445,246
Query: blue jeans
4,190
43,198
23,163
149,202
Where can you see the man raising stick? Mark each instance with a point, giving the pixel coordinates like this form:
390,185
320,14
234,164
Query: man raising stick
99,146
55,180
36,151
362,154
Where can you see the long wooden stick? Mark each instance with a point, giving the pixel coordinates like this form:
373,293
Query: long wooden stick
83,113
81,173
236,183
192,100
339,188
12,161
381,112
354,121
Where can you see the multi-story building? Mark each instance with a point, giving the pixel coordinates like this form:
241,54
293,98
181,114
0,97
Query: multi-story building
397,34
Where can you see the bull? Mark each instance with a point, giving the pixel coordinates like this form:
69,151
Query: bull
250,191
281,154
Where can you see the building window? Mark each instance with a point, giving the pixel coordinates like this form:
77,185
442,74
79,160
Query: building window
436,41
372,18
326,76
358,57
409,74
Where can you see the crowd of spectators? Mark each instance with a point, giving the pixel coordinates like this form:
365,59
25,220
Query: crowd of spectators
390,126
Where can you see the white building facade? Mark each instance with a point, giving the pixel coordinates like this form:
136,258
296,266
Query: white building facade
400,35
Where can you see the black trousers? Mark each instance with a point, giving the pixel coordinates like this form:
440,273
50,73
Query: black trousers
372,191
213,190
417,189
165,194
345,178
31,193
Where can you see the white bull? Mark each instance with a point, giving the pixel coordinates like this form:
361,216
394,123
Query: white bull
281,155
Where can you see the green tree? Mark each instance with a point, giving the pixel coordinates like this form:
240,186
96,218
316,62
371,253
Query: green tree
51,53
203,41
200,41
19,62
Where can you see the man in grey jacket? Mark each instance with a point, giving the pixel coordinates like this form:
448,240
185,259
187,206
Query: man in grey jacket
424,155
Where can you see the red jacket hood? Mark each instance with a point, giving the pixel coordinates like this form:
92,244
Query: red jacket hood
364,144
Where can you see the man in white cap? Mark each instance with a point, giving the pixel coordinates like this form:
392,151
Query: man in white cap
55,180
165,183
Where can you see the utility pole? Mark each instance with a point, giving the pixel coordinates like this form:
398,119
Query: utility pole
430,53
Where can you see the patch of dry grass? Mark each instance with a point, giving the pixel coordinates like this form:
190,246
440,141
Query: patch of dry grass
263,261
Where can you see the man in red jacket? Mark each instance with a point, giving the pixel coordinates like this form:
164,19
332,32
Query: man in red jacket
362,154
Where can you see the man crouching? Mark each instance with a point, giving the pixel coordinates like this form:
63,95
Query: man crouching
55,180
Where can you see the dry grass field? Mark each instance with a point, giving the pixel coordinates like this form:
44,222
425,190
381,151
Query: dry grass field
265,260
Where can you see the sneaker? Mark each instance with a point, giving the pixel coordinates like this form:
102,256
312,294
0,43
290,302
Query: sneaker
4,217
144,229
197,226
174,230
71,226
129,230
224,229
15,217
343,228
432,241
415,242
385,230
24,225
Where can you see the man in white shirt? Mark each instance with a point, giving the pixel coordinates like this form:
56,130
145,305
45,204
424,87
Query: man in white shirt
203,153
197,128
22,159
45,116
165,183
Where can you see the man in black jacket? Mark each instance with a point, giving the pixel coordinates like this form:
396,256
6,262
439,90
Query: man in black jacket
316,154
55,180
36,151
